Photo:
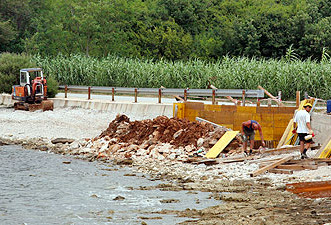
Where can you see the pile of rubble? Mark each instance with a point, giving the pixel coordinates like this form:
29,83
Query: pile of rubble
160,138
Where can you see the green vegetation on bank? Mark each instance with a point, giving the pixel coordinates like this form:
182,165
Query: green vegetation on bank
287,74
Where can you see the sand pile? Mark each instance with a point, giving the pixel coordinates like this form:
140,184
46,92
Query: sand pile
158,138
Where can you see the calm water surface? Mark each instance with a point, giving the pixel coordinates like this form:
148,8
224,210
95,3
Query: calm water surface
38,188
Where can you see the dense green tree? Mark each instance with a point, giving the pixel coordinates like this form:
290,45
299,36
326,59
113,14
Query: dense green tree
171,29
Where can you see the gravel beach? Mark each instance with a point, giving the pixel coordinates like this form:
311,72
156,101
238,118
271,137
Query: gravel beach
245,199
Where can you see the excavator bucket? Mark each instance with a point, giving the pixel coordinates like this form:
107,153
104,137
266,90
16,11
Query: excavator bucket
44,106
47,105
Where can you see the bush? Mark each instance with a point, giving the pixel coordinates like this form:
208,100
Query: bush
52,87
6,82
10,65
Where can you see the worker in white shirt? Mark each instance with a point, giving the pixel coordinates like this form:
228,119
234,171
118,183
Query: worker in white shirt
303,128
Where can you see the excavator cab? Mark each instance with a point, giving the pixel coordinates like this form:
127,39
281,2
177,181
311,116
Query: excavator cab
32,89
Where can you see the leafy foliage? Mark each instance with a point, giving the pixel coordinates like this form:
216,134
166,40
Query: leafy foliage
166,29
10,65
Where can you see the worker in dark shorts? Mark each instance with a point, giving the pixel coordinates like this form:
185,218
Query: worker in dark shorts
248,129
302,126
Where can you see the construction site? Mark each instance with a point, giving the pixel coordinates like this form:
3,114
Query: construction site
197,145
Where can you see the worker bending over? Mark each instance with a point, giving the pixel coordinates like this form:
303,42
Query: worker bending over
303,128
248,130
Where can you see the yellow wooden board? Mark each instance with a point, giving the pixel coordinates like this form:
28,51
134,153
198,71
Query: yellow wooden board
221,144
326,153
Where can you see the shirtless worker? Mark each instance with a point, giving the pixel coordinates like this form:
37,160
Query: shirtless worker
248,130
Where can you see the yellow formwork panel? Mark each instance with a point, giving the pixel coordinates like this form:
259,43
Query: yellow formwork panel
221,144
215,108
223,117
281,120
179,110
326,153
229,108
268,134
246,109
230,126
272,119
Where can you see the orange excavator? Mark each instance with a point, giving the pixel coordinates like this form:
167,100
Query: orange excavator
31,94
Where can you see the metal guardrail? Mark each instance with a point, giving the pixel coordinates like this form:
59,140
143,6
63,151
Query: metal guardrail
181,93
170,91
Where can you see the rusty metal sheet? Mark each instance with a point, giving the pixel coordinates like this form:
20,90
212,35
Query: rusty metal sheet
316,189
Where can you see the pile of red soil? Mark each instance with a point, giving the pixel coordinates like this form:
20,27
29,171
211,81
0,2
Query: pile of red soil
178,132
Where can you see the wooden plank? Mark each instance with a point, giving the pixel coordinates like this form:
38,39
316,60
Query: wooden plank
271,96
281,171
285,134
297,167
241,159
316,189
325,151
221,144
278,151
271,166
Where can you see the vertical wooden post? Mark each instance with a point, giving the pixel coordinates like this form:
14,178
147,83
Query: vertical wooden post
297,99
65,91
185,95
160,94
279,95
269,102
258,103
135,94
213,98
113,94
243,96
89,93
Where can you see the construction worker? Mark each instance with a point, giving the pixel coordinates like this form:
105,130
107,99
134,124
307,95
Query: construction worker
302,127
248,130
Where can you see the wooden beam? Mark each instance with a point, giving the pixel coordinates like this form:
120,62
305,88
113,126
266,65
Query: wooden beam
298,167
271,96
278,151
281,171
271,166
235,101
285,134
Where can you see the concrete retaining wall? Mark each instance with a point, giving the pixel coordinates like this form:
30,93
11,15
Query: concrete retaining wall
148,109
321,124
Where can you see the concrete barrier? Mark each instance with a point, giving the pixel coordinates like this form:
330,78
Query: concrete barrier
148,109
5,99
321,124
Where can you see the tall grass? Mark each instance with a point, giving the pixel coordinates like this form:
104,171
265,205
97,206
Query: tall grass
283,75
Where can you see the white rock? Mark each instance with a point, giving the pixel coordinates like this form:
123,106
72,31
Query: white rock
74,145
178,133
200,142
104,147
141,152
172,156
160,157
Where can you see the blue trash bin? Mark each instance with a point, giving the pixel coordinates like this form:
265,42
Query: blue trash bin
328,106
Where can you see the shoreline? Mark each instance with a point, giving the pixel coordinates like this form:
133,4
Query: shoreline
245,200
